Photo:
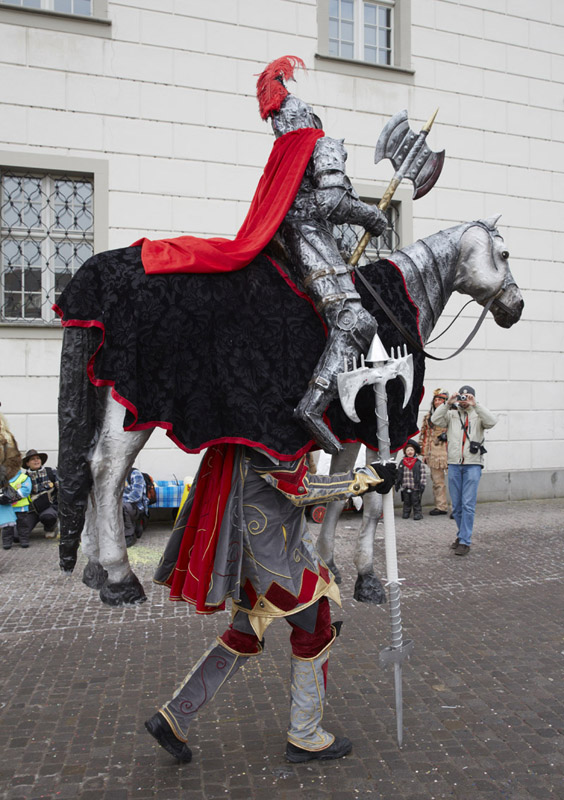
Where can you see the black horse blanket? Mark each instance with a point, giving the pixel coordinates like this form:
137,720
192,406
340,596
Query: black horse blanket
226,358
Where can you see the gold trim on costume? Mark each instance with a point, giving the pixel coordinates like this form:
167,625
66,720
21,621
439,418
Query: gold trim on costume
264,612
254,523
221,643
278,574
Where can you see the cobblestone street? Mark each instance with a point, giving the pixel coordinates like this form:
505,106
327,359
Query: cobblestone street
483,690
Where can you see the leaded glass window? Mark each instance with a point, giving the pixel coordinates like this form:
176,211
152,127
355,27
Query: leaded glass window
348,237
46,234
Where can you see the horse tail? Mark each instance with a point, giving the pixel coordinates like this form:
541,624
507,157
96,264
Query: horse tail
78,418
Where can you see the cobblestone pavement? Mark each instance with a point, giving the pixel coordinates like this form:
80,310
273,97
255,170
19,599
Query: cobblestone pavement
483,691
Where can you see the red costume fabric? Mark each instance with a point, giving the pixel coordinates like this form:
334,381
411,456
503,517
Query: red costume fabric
191,578
273,197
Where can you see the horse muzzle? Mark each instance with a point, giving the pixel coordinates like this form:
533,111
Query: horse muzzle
508,307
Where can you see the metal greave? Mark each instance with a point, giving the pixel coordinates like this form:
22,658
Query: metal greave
215,667
308,700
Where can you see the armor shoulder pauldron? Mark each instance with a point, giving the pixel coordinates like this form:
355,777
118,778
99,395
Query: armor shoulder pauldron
329,157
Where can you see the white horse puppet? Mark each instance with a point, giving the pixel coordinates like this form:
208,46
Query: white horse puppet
472,260
96,453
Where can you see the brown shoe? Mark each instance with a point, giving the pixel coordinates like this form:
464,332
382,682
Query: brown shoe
455,544
462,550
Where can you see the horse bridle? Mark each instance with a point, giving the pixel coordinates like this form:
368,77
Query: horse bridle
409,338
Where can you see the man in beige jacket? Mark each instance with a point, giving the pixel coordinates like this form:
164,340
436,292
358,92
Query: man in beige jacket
465,420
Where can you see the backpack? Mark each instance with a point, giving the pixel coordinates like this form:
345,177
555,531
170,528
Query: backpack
150,488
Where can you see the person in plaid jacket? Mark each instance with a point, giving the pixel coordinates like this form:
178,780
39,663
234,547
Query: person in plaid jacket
411,480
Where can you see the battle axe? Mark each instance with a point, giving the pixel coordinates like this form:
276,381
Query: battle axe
412,160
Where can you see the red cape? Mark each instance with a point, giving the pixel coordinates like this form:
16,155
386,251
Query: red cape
273,197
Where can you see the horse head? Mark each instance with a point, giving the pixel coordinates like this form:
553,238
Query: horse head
482,271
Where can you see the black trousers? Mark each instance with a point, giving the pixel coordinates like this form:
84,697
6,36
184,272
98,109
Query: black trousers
411,499
27,520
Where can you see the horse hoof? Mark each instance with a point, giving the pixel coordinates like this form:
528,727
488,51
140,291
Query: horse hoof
124,593
368,589
94,575
335,570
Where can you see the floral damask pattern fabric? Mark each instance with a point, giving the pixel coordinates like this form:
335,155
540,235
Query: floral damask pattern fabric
222,357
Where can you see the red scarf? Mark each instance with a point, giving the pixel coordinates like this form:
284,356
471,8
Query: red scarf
409,461
273,197
191,577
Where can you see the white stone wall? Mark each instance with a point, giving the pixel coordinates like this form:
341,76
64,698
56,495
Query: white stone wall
168,100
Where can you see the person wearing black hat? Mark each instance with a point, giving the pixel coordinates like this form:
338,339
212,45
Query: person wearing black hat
43,498
411,480
466,420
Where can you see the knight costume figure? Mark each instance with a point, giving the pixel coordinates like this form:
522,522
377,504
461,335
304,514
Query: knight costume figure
242,532
324,199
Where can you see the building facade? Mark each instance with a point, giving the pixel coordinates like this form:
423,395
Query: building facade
126,119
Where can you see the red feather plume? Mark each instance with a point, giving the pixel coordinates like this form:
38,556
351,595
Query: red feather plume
270,89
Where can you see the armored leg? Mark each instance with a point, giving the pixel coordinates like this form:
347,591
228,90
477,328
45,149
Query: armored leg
351,329
307,740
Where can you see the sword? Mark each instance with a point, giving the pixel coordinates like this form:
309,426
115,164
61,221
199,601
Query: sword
377,369
411,159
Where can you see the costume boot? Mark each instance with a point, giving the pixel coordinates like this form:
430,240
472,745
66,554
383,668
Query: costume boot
416,500
406,496
306,738
170,725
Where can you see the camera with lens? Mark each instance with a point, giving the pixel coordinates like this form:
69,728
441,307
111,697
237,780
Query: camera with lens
477,447
462,397
442,437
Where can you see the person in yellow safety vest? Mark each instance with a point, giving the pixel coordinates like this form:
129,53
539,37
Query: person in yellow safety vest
10,508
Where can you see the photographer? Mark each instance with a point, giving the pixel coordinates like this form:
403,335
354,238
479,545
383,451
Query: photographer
433,442
465,420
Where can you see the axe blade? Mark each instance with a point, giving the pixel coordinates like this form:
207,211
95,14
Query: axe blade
429,173
395,143
395,140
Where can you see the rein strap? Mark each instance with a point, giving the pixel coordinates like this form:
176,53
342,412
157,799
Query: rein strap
405,333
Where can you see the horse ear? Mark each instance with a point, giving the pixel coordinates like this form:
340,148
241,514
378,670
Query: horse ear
491,222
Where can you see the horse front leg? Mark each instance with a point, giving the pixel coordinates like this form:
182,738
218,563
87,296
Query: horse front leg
368,587
94,575
342,462
113,457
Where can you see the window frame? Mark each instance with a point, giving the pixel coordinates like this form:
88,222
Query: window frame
71,167
96,25
400,69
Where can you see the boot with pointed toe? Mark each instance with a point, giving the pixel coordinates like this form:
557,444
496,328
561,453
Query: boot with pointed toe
159,728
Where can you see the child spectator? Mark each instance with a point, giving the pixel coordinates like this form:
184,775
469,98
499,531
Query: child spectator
135,506
12,498
411,480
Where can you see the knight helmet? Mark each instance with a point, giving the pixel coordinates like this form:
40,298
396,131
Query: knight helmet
286,111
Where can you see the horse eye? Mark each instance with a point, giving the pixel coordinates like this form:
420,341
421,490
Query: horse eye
505,254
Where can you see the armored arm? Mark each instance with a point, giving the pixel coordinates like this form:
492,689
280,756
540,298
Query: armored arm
334,193
302,488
